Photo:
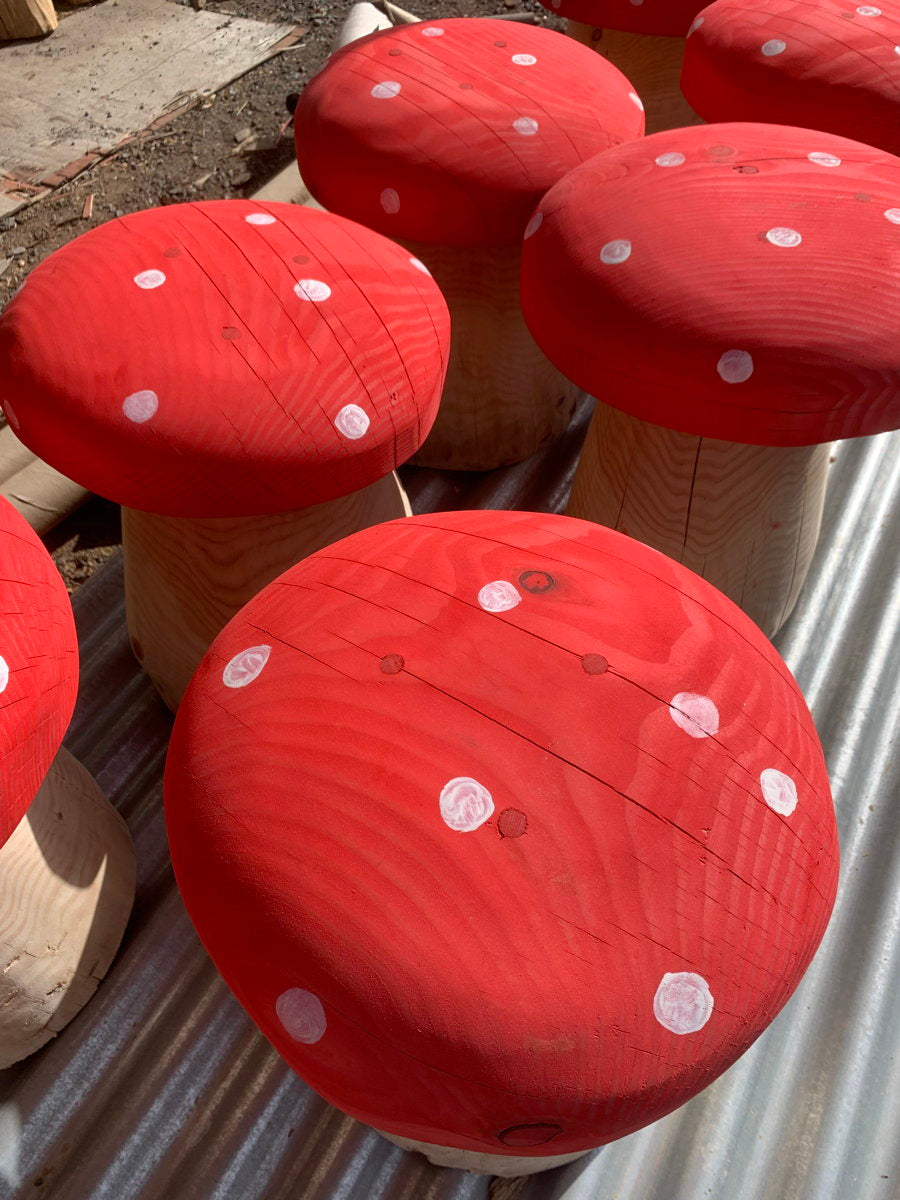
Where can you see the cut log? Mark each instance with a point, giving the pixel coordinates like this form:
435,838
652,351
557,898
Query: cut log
26,18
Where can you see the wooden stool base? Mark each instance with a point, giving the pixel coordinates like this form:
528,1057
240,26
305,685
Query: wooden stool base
744,517
507,1165
67,876
185,578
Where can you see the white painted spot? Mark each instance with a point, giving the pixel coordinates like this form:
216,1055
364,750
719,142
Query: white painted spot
636,3
386,90
4,674
420,266
12,415
259,218
636,100
775,46
779,791
673,159
897,49
867,10
352,421
140,406
524,60
390,200
465,804
892,214
312,289
246,666
432,31
534,224
149,279
683,1002
498,596
824,160
527,126
695,25
556,3
301,1015
782,236
735,366
696,715
616,252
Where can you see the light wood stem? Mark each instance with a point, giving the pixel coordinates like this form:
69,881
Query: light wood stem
653,64
67,876
744,517
503,399
26,18
505,1165
185,578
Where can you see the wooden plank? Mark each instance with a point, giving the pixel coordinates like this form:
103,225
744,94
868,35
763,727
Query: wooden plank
26,18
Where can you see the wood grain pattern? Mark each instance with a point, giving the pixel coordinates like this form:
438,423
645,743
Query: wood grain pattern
653,64
503,1165
185,578
67,877
503,399
746,518
26,18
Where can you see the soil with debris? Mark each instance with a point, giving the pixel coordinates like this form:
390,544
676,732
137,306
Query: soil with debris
229,144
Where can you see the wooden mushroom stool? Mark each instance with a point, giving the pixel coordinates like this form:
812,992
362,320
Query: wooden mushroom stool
243,378
66,863
446,134
826,65
730,294
509,833
646,41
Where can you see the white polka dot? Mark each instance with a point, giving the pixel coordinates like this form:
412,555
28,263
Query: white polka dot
824,160
150,279
775,46
352,421
386,90
779,791
390,200
11,415
534,225
140,406
892,214
673,159
556,3
524,60
420,266
897,49
301,1015
866,10
636,3
616,252
527,126
465,804
4,674
695,25
782,236
312,289
696,715
432,31
246,666
498,596
735,366
683,1002
635,99
259,218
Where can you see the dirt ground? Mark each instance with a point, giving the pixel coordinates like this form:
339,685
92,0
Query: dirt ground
229,145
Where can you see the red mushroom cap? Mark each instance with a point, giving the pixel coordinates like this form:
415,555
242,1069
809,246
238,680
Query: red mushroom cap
735,281
225,358
662,18
506,830
821,63
451,131
38,665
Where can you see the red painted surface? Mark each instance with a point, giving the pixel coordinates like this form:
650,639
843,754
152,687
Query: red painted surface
451,131
486,973
664,18
825,64
719,280
217,388
38,665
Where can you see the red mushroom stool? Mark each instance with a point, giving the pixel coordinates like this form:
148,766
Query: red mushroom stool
446,134
822,63
646,41
509,833
243,378
66,863
731,294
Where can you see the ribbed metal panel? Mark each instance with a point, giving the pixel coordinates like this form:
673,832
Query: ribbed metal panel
162,1090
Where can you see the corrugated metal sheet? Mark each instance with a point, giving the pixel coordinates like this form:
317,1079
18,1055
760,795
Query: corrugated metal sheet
162,1090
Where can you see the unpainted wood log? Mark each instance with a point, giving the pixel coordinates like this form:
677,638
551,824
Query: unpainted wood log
67,876
506,1166
185,578
26,18
361,20
746,518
